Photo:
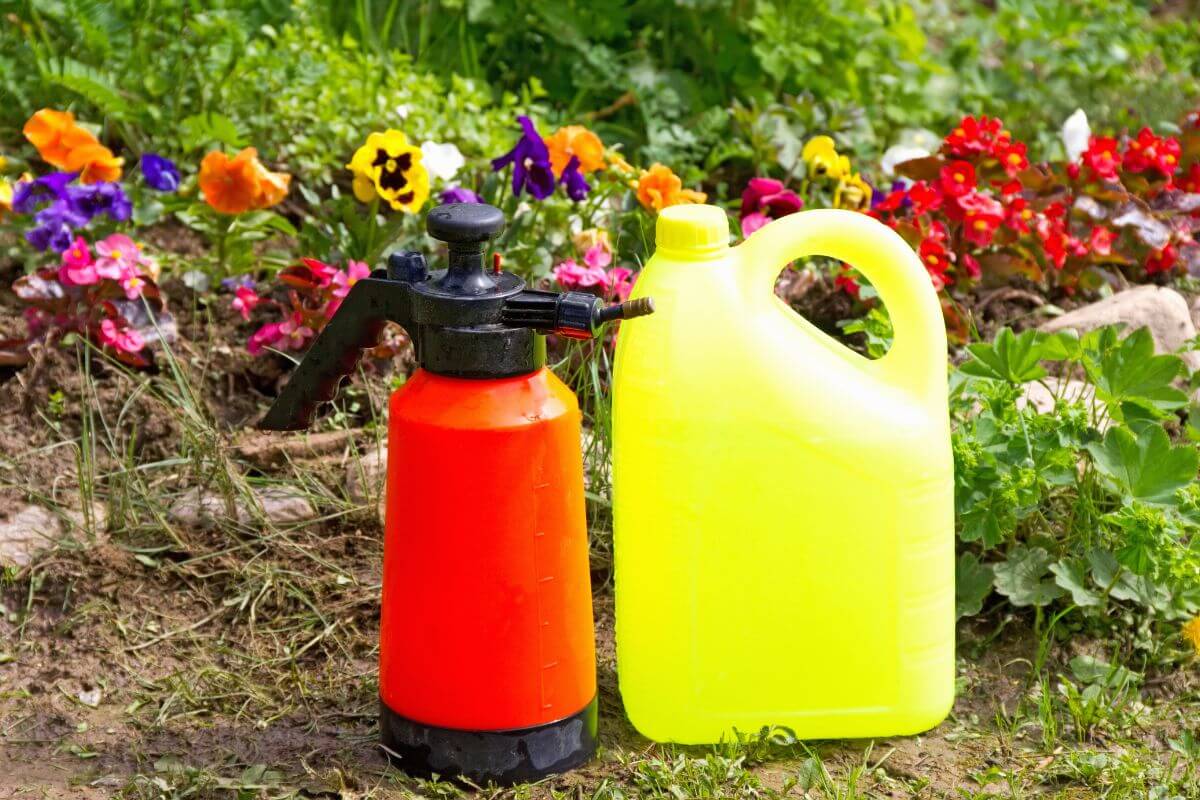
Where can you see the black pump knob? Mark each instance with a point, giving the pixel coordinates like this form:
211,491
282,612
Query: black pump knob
464,223
408,267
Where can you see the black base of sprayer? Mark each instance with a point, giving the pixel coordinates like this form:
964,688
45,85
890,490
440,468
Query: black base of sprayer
501,757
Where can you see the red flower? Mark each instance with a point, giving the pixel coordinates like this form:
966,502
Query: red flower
978,229
972,265
1013,158
892,202
1018,215
1161,260
1010,188
957,178
1191,180
1052,230
1103,158
847,283
975,137
936,260
937,233
924,198
1101,240
1149,151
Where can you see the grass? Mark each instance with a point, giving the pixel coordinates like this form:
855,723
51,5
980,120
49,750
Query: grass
238,660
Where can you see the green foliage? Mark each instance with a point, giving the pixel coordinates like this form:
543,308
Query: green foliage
1090,503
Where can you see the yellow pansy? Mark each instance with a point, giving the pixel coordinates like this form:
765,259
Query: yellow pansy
6,192
853,193
585,240
821,156
388,166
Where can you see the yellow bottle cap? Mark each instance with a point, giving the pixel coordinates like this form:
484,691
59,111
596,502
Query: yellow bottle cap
692,228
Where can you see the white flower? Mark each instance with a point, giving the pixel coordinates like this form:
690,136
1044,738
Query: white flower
898,154
442,160
1075,135
402,111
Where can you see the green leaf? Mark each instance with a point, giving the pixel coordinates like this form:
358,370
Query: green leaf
93,85
1023,578
1128,372
1146,468
1091,670
204,130
1072,575
972,585
1010,358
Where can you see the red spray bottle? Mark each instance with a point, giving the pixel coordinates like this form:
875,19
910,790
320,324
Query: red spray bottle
487,657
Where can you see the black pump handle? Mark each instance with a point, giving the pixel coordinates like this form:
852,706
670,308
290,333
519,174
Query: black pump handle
371,303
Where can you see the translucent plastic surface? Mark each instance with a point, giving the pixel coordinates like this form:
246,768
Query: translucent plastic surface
783,506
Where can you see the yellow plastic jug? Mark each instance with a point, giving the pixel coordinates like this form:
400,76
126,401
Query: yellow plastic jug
783,507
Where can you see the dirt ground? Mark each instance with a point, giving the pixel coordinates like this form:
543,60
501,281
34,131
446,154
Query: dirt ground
143,655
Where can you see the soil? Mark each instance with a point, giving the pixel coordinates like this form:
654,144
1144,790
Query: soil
207,660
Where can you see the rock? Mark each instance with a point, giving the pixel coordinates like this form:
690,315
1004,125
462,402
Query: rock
197,508
283,506
33,528
265,449
1162,310
366,476
30,529
1041,396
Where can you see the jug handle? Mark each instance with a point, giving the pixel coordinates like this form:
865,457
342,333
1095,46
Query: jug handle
916,360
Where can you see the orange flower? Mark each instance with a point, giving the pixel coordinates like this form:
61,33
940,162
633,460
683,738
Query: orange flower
56,135
578,141
659,187
94,162
238,184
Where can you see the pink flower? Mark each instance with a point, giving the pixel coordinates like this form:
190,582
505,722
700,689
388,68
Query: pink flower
118,256
77,268
266,336
570,275
244,300
752,222
620,282
293,333
344,281
765,199
120,337
133,283
598,256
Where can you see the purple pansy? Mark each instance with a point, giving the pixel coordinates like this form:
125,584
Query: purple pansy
160,173
530,161
572,178
30,194
54,227
459,194
93,199
237,281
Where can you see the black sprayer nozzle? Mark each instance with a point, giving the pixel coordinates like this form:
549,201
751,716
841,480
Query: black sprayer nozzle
627,310
464,322
576,315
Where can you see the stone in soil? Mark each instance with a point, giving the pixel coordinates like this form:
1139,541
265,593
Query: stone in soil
33,528
1041,396
1164,311
198,508
366,478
